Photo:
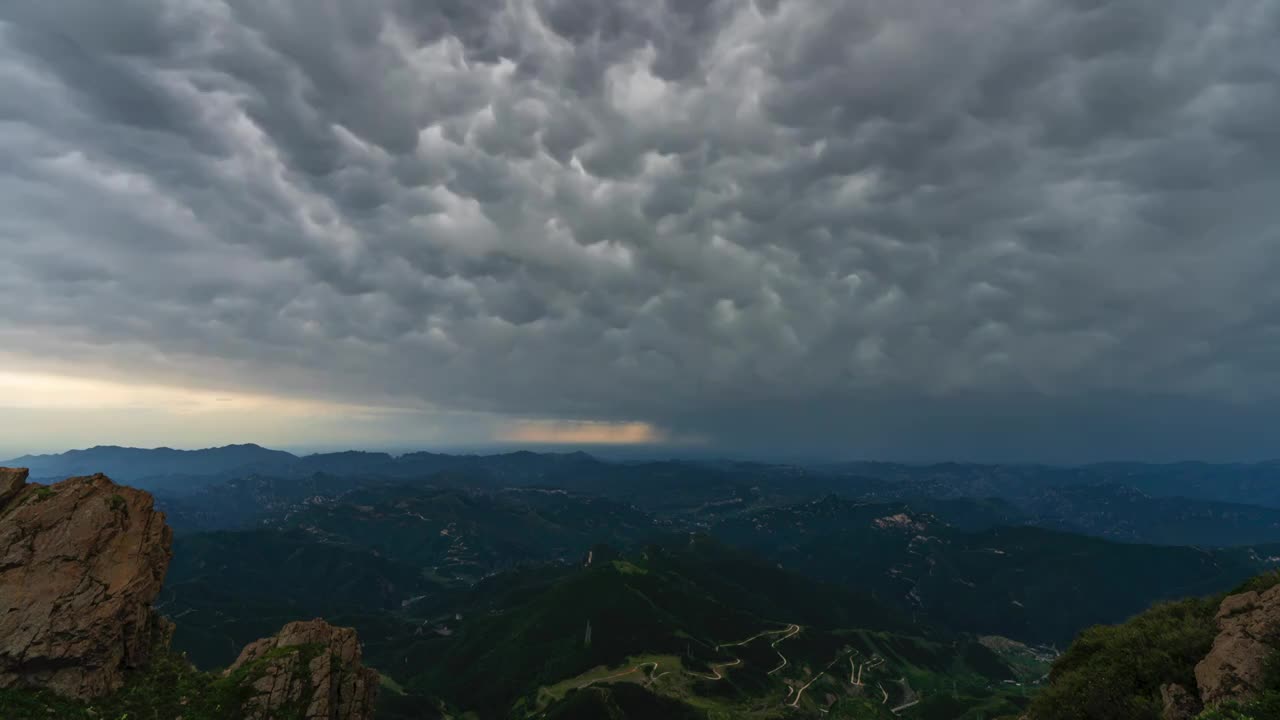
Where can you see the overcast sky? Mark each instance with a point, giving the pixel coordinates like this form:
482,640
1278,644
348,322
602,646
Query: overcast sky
990,229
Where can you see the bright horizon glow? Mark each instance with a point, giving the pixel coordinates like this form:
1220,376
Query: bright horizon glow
579,432
52,412
41,391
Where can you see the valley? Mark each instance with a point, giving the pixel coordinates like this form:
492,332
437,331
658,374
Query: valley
534,586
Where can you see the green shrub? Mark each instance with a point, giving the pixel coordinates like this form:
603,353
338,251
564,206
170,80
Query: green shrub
168,688
1115,672
1261,583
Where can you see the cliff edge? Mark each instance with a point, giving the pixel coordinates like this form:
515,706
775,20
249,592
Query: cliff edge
80,563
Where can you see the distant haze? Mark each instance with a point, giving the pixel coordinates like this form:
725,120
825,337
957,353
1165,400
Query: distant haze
911,229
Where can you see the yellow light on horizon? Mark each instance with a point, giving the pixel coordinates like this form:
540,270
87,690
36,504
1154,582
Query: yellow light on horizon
42,391
581,432
47,412
54,410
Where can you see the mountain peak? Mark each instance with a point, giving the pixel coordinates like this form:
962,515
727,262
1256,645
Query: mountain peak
308,664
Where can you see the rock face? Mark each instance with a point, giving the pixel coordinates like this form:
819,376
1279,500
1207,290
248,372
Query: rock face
311,665
1248,631
12,480
1179,704
80,563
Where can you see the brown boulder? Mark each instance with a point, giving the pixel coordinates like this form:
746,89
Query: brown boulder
80,563
1248,631
12,480
323,673
1179,704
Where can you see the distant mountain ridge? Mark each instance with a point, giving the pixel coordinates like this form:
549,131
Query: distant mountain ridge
1249,483
1242,483
1200,504
131,464
180,470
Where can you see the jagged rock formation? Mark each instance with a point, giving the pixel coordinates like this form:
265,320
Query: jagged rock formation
311,665
1248,632
12,480
80,563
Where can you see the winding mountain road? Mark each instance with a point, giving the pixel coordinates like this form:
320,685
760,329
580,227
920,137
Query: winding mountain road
794,695
903,706
791,632
875,662
625,673
787,632
796,702
800,692
715,669
792,629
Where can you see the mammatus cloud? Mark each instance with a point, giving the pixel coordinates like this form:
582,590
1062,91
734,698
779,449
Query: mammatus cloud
1038,229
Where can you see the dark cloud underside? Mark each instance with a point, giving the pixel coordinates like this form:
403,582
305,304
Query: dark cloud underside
878,225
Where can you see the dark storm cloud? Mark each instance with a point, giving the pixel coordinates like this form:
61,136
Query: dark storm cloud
881,226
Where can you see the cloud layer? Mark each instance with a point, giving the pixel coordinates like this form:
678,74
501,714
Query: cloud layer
1045,227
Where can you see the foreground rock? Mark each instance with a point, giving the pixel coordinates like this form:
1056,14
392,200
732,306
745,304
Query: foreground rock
80,563
1248,632
1178,702
307,664
12,480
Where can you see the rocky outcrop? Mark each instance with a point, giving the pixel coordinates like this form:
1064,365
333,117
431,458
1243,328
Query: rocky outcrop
1179,703
311,665
900,521
1248,632
80,563
12,480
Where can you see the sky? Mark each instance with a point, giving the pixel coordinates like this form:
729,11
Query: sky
905,229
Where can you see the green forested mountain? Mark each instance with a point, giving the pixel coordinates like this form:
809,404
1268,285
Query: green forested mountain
730,636
523,585
480,598
460,535
699,623
1033,584
228,588
1124,672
